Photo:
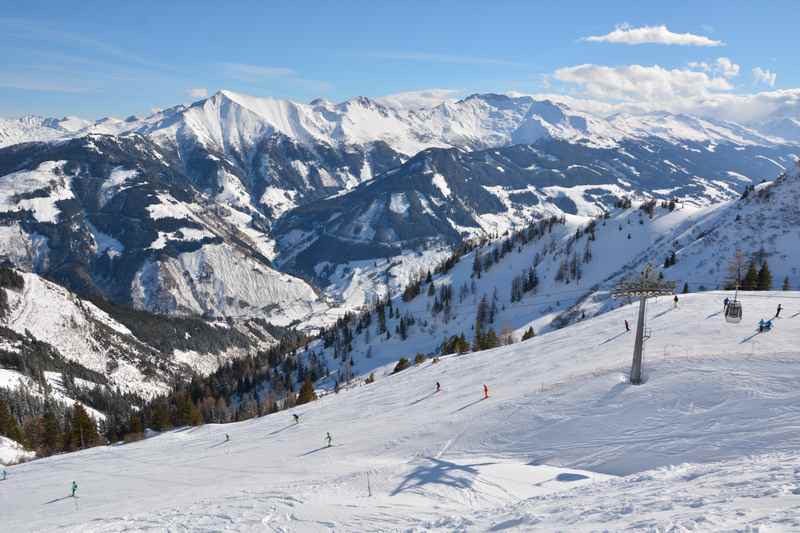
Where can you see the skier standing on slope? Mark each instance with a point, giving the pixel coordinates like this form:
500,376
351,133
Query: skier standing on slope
296,418
438,387
778,312
627,326
485,391
74,488
725,304
675,300
4,474
329,439
227,437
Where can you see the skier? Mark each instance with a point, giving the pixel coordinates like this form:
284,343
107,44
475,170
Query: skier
768,325
725,304
627,326
675,300
329,439
74,488
485,391
227,437
778,312
438,387
4,474
762,325
296,418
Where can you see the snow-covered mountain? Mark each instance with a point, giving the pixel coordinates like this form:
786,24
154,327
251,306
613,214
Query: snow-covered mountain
445,195
332,185
562,442
33,128
46,330
272,155
113,216
785,128
575,261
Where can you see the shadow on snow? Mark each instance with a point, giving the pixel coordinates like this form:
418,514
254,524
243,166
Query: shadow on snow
440,472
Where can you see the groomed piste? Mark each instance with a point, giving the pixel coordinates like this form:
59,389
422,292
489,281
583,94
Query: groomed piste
710,441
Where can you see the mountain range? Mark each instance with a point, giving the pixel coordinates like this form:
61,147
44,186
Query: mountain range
237,208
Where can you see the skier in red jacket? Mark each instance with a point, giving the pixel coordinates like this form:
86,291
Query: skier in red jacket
485,391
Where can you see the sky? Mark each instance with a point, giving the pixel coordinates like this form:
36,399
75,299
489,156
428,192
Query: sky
95,59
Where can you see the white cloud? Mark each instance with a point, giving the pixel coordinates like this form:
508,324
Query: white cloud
632,83
198,92
640,89
741,108
764,76
700,65
625,34
727,68
722,66
424,99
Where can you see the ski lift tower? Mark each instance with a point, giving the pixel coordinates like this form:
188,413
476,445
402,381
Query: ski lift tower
647,285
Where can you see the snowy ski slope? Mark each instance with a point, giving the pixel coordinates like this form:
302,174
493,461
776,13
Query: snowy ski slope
544,452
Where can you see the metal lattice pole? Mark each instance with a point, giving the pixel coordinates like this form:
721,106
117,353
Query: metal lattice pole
646,286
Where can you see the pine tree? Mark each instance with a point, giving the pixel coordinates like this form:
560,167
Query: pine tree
750,282
401,365
307,393
8,424
83,431
491,340
161,419
529,334
476,265
51,433
686,287
764,278
786,285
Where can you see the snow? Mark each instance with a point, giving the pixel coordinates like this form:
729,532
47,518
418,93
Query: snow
169,207
48,179
440,183
105,244
222,280
707,443
27,250
355,284
117,181
12,452
11,379
279,200
56,316
29,128
398,203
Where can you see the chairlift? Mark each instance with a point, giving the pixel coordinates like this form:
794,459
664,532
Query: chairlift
733,313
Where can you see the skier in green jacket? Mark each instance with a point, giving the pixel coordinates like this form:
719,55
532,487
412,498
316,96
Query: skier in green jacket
74,488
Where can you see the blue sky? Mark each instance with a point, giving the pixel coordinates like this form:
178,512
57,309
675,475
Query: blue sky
95,59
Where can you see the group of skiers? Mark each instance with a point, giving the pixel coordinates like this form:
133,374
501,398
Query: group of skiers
764,325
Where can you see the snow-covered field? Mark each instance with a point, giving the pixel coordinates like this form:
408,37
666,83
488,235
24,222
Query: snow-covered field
563,443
